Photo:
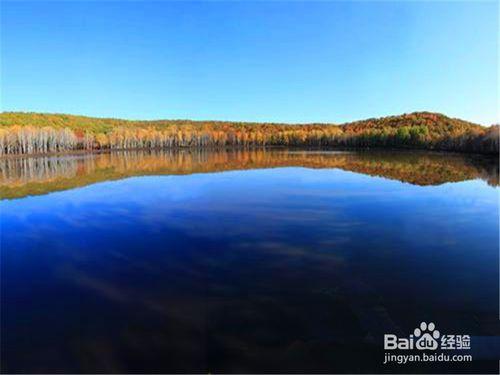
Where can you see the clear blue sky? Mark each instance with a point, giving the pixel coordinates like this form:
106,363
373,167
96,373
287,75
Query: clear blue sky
257,61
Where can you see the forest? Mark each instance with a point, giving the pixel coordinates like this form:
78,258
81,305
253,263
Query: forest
37,133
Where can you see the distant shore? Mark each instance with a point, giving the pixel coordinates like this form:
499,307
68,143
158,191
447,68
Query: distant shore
49,134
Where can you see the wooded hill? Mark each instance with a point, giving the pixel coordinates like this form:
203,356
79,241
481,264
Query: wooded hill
35,133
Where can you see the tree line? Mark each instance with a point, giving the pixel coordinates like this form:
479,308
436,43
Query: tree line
26,133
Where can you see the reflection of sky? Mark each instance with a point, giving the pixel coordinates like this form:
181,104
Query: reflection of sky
164,245
277,196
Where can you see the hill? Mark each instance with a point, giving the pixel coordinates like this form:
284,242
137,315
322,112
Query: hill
33,133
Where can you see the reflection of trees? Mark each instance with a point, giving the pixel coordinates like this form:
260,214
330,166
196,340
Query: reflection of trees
26,176
25,170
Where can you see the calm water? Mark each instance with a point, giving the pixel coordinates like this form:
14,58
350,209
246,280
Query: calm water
244,261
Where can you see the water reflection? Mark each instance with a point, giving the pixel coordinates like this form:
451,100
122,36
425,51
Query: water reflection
255,270
38,175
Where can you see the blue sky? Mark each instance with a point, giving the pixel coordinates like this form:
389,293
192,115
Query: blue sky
256,61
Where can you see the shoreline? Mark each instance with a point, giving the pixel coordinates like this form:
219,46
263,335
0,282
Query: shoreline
243,148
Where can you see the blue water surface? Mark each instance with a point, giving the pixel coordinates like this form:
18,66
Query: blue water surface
272,270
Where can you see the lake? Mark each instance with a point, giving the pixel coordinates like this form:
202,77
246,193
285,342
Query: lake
245,261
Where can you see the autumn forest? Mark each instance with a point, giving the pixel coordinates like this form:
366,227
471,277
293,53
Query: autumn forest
35,133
